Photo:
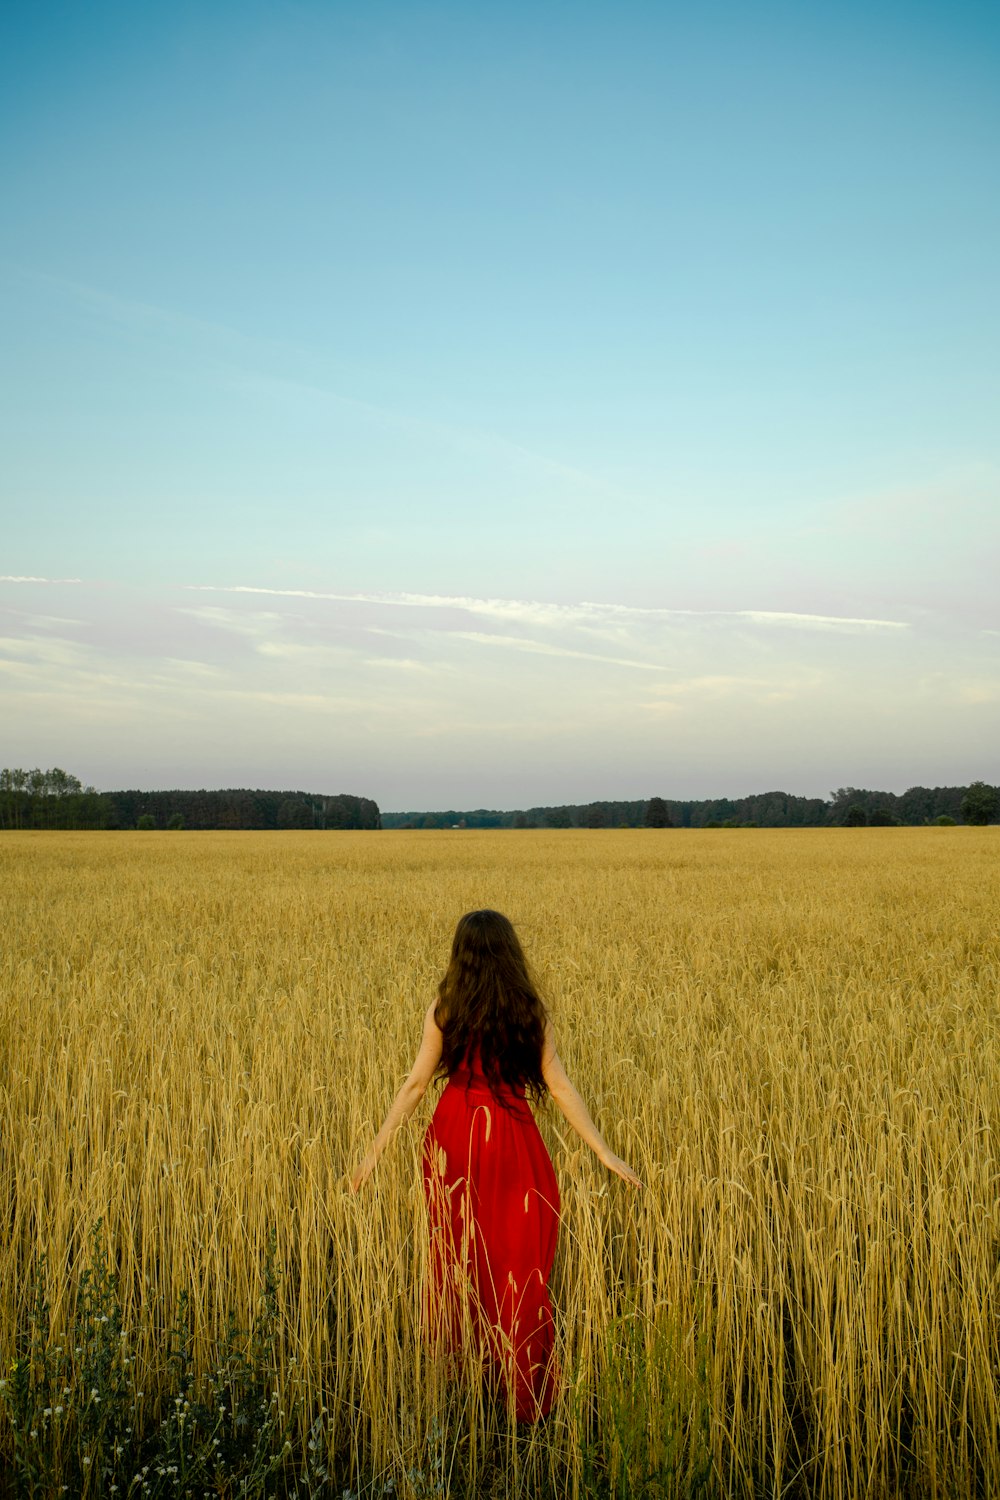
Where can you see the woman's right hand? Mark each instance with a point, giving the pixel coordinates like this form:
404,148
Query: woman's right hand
622,1168
362,1172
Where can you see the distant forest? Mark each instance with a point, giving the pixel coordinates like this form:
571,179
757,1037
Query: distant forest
850,806
54,799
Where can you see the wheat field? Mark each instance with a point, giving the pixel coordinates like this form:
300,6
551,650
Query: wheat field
791,1035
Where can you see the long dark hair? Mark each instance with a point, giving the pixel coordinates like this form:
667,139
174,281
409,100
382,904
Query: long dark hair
488,999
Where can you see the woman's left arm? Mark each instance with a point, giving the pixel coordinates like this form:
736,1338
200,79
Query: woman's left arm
406,1101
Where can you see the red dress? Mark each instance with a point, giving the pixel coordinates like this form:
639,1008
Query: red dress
493,1205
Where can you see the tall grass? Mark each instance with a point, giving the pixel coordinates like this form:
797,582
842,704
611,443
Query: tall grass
792,1036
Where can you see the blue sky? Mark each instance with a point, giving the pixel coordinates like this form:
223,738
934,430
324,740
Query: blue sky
494,405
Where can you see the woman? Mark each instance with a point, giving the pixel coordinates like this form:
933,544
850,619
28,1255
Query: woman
492,1197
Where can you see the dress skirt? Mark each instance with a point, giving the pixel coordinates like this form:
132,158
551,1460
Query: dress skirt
493,1207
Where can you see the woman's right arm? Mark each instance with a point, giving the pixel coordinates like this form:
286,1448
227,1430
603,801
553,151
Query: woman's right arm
409,1096
576,1112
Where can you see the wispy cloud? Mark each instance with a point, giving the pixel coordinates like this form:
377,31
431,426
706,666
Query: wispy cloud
256,625
258,366
465,438
818,622
402,664
45,649
790,618
543,648
977,690
27,578
115,308
433,682
552,615
720,683
202,671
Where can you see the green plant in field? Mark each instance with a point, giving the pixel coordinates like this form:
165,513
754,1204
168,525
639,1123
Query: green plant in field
430,1481
652,1413
70,1403
81,1426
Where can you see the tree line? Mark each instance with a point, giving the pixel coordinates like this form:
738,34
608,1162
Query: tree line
49,799
847,807
55,799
